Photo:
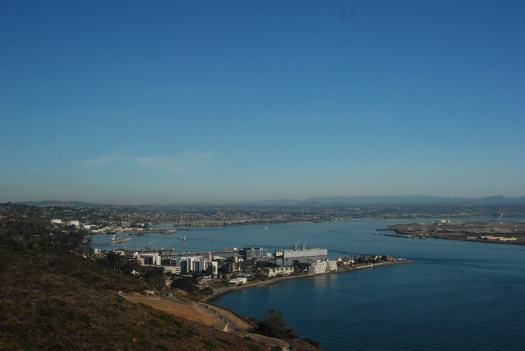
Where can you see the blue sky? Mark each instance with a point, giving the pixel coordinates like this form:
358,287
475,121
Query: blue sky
184,101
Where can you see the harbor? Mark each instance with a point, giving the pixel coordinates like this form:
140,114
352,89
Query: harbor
387,291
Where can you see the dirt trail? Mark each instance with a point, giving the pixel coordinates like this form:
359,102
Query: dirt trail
177,307
195,311
202,312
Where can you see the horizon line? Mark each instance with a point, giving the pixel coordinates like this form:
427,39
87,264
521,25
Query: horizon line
253,202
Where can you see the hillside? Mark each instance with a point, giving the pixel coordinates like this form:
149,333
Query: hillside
52,297
52,301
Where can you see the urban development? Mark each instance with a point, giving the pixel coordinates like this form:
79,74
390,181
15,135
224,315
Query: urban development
180,283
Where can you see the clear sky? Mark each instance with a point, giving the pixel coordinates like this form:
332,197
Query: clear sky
182,101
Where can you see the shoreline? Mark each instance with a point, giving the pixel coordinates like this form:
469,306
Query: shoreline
408,235
277,222
229,289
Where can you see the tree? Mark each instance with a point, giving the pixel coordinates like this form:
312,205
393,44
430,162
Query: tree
274,325
188,284
113,259
154,277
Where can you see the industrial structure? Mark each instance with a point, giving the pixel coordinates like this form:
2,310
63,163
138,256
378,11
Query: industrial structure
300,254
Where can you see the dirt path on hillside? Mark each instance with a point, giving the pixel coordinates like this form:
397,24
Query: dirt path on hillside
201,312
205,313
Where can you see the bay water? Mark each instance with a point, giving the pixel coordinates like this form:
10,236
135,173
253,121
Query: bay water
455,296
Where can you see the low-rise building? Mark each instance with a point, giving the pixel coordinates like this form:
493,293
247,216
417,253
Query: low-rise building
275,271
238,281
172,269
148,258
74,223
498,238
205,280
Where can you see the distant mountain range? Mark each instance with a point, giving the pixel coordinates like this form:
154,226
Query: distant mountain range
320,201
420,200
395,200
76,204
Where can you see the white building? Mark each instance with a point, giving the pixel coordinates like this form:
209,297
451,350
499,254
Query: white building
74,222
172,269
322,266
196,264
211,266
498,238
186,264
275,271
253,253
148,258
238,281
56,221
200,264
205,280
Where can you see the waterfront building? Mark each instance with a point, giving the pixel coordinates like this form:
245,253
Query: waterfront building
238,281
322,266
205,280
230,266
300,254
275,271
253,253
498,238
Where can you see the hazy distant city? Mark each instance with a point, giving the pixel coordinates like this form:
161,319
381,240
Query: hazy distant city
287,211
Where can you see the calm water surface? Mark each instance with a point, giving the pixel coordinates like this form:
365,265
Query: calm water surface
457,296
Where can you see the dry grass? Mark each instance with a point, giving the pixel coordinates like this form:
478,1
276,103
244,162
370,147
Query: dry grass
65,302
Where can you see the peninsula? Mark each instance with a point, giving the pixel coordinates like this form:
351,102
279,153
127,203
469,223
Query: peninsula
169,290
500,232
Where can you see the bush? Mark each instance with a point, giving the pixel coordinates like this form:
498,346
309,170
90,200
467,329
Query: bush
188,284
274,325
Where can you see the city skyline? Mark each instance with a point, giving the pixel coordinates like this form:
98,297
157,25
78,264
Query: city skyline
128,102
